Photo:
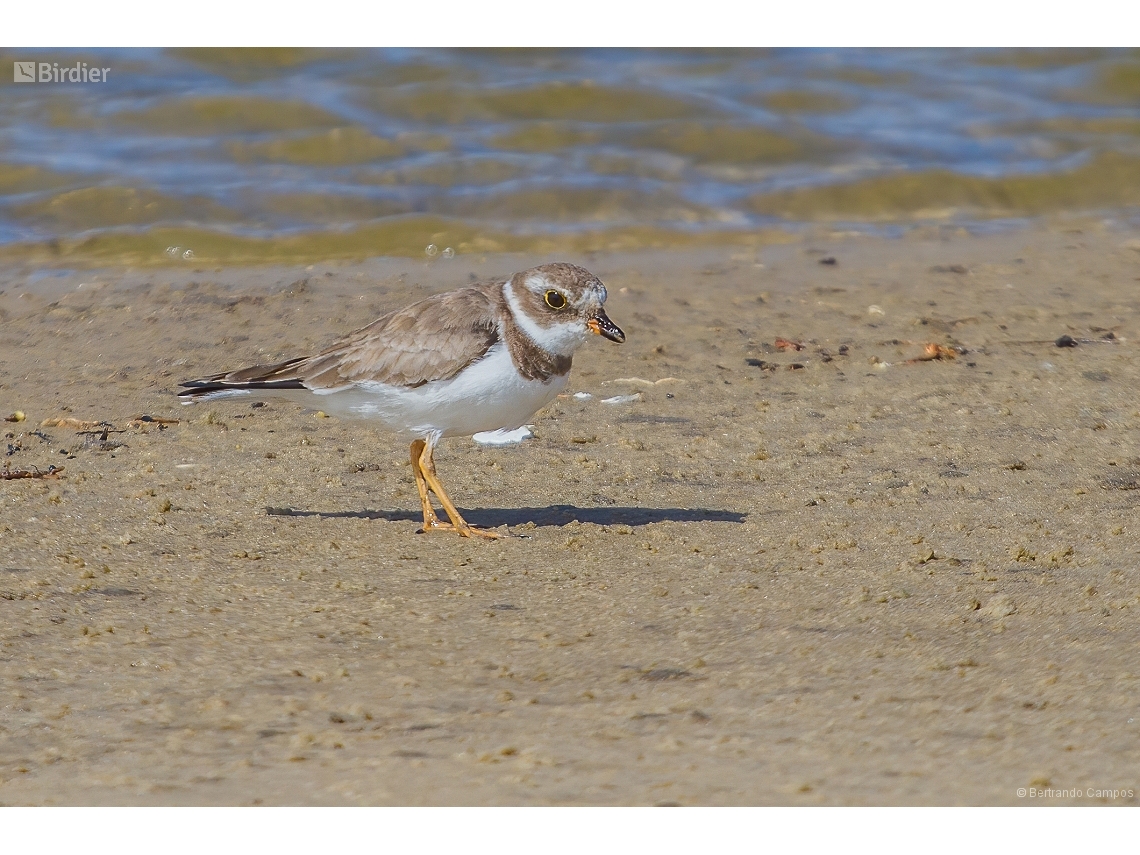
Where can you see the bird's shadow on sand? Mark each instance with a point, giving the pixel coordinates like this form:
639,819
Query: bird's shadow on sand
552,515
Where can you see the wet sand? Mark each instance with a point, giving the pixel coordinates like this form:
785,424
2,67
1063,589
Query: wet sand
861,581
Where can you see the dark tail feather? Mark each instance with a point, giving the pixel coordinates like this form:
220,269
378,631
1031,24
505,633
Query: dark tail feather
192,389
258,378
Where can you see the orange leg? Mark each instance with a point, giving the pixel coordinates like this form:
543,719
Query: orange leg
431,521
426,479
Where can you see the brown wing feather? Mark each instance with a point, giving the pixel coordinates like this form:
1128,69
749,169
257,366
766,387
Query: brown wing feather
433,339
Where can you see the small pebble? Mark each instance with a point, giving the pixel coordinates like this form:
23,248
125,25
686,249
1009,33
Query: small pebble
999,607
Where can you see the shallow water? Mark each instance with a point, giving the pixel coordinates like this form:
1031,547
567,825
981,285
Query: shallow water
284,154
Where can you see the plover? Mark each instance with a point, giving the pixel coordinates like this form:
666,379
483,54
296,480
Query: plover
480,358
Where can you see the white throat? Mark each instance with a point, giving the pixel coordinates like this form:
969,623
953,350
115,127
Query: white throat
560,339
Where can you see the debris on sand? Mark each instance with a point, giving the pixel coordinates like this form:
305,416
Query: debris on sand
52,472
138,421
504,437
934,351
641,381
761,364
77,424
788,344
96,434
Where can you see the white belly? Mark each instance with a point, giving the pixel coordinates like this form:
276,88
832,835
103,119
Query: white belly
487,395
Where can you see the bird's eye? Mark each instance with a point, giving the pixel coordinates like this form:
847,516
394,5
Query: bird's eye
555,300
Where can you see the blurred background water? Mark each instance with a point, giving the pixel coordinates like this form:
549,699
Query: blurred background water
292,154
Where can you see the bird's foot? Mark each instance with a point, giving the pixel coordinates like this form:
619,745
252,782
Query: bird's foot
465,530
485,533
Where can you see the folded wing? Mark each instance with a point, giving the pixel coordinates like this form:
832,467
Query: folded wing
433,339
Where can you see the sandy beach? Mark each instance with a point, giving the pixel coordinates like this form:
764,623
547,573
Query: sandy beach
840,575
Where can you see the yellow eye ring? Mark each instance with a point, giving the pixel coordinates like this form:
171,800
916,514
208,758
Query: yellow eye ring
554,300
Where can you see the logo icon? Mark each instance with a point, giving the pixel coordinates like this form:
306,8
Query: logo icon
24,72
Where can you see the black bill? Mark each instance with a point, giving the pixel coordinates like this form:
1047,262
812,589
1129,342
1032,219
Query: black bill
602,325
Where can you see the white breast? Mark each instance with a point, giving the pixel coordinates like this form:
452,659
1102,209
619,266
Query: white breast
487,395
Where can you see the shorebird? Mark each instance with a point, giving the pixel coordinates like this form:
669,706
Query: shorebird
480,358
